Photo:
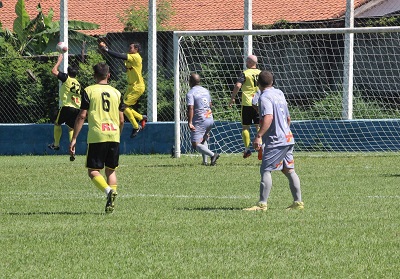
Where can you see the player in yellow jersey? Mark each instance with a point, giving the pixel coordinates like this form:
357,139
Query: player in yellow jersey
247,81
102,105
70,101
136,86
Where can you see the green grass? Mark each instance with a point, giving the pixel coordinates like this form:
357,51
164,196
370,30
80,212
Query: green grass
177,219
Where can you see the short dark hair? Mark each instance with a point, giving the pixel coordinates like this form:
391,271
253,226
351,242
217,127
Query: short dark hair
265,78
72,71
137,46
101,70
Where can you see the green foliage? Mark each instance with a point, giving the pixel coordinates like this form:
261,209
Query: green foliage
137,18
22,20
330,108
165,95
280,24
211,64
382,21
32,37
30,91
7,49
85,75
358,22
24,96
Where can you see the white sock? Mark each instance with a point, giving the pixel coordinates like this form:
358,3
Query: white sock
107,190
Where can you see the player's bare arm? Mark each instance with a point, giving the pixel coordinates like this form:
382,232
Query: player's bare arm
265,124
190,112
121,121
55,71
235,91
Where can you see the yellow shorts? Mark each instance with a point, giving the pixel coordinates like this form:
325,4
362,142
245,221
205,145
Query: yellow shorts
133,94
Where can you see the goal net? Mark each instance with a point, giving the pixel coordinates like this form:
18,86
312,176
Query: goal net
342,85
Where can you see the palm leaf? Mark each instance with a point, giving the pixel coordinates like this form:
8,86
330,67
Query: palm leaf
82,25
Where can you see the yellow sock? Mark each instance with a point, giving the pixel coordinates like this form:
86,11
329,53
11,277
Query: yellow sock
246,138
57,135
130,114
137,115
70,134
114,187
100,182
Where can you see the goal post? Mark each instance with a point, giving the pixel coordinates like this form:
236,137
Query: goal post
309,67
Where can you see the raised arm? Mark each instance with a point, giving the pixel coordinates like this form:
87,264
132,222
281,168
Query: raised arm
123,56
55,71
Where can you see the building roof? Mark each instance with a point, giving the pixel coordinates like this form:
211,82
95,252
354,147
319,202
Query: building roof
188,15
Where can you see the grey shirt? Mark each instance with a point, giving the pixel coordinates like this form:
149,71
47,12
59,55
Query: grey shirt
272,101
200,99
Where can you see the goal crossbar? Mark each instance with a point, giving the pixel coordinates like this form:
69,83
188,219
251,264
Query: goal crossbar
289,31
178,35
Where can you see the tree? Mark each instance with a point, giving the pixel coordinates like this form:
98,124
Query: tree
136,18
32,37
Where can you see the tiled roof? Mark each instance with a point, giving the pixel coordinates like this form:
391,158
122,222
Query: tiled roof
103,12
188,15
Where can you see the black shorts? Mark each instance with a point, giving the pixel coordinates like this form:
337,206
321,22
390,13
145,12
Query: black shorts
67,115
102,154
249,116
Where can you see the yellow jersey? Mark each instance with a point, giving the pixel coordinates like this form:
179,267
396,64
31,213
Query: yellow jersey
249,86
103,103
70,93
133,66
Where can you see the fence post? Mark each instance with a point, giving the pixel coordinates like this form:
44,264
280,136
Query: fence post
63,38
248,25
152,65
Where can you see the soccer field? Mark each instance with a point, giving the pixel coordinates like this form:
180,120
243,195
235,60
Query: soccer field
175,218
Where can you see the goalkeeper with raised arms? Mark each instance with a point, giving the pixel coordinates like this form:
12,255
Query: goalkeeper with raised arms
136,86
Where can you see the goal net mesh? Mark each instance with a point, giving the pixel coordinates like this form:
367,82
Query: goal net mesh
309,69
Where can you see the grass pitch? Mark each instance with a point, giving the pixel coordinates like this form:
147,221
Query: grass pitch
177,219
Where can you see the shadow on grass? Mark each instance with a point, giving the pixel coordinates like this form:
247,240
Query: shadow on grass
51,213
209,208
168,166
391,175
198,164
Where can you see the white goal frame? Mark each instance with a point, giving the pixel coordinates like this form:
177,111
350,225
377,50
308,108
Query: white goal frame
347,71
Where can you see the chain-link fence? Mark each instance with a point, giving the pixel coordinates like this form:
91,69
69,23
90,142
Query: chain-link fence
29,92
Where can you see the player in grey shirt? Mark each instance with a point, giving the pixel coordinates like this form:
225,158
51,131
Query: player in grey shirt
200,118
278,142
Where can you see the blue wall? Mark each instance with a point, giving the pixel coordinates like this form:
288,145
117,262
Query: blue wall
158,138
17,139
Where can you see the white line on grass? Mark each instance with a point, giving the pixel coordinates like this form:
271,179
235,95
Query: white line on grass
53,195
383,197
186,196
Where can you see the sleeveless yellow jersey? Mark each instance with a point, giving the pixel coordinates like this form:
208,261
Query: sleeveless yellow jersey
249,86
134,69
70,93
103,103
